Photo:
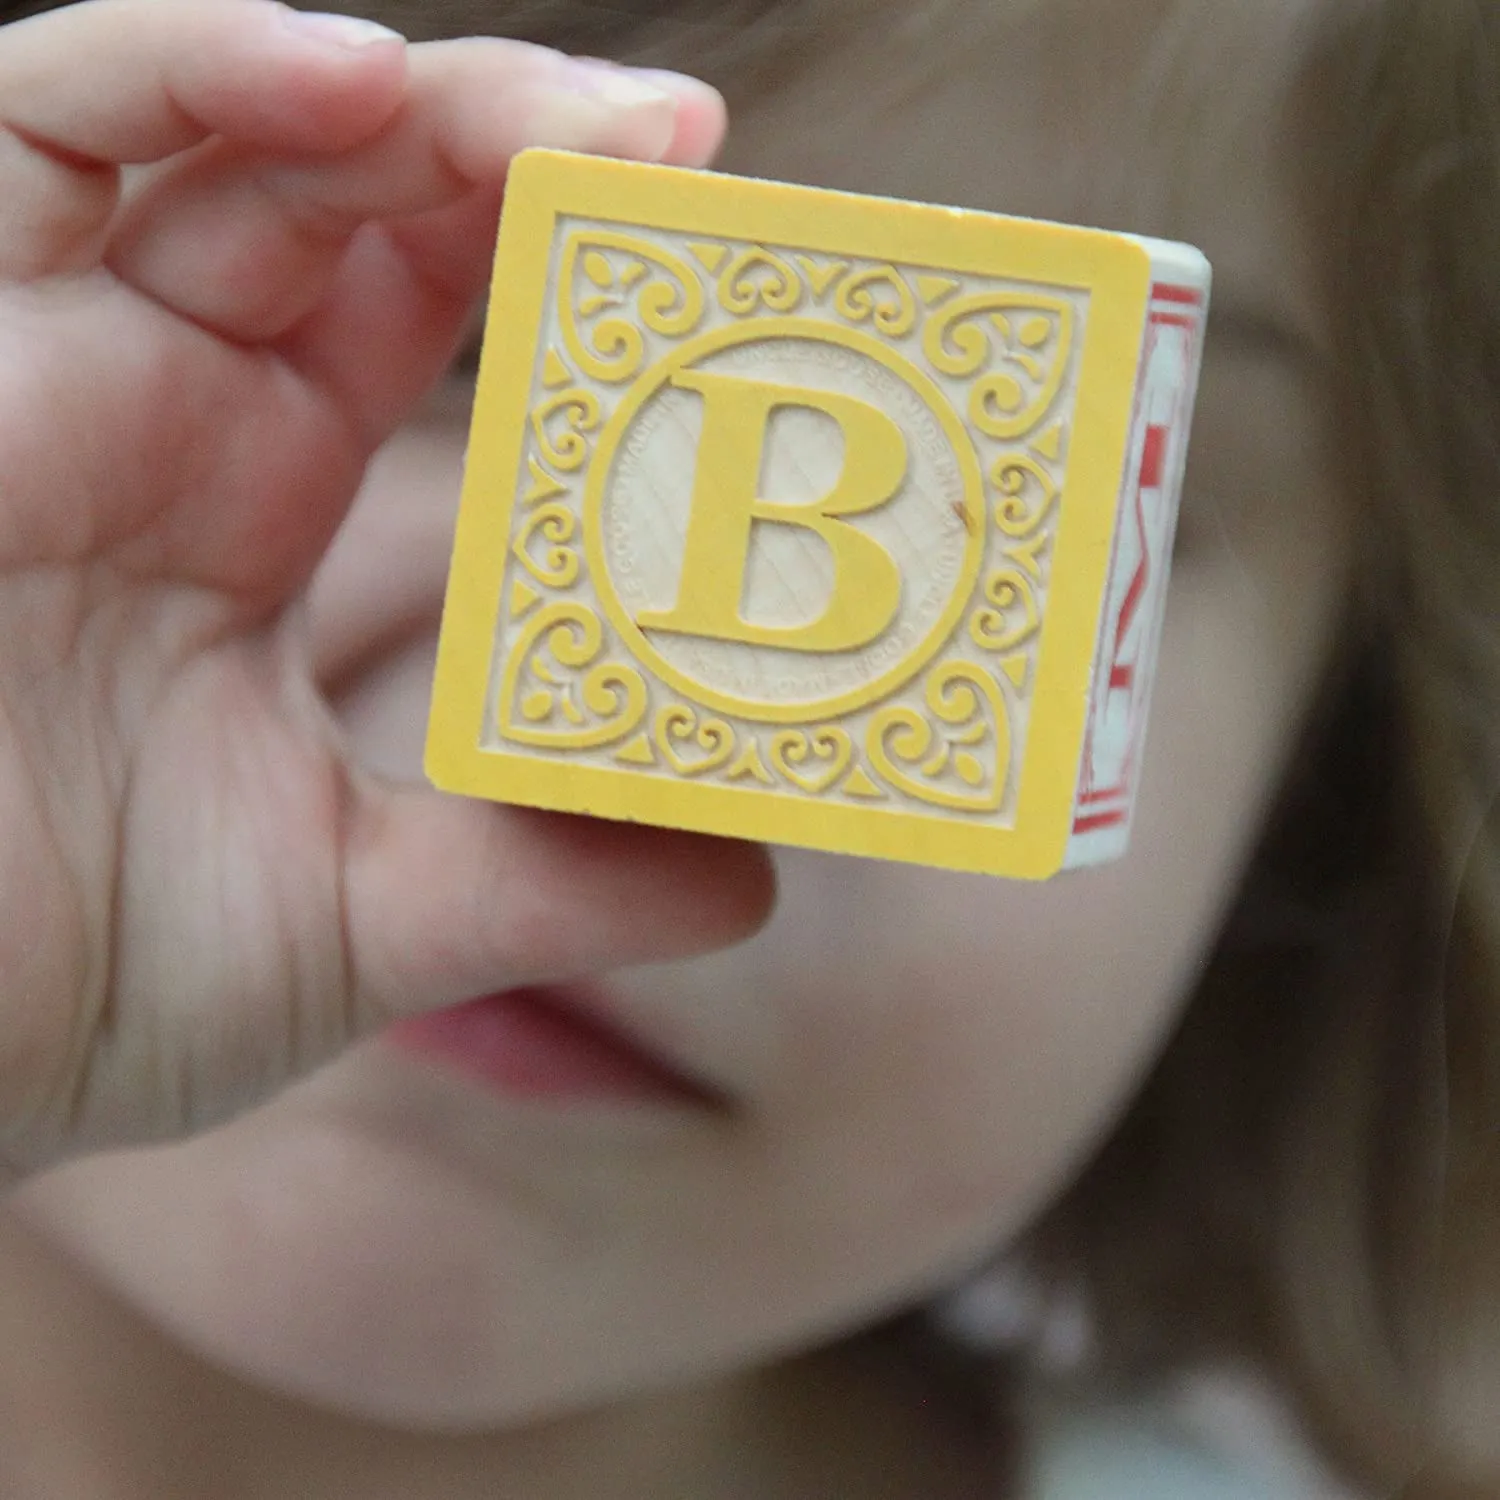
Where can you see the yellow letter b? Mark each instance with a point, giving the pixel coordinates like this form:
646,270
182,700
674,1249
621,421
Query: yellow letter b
726,503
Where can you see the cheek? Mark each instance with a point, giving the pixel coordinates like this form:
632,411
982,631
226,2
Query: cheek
952,1048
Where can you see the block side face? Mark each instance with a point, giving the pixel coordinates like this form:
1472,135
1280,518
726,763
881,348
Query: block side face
1140,568
788,535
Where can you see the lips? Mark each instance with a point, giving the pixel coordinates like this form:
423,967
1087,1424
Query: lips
548,1042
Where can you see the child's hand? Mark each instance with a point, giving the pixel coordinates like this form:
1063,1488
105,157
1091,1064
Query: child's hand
199,897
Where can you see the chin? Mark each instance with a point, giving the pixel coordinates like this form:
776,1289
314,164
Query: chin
321,1262
369,1245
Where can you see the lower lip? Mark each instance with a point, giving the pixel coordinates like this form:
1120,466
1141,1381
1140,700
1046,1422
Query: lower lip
541,1043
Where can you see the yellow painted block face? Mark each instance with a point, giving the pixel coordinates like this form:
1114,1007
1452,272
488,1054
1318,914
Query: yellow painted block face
792,515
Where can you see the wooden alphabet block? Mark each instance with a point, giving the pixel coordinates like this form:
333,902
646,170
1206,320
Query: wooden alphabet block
816,519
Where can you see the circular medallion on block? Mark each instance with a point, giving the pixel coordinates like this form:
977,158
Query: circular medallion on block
785,520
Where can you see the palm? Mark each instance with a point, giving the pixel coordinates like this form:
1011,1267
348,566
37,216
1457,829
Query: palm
203,897
182,795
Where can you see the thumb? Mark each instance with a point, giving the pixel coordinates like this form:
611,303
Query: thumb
448,898
292,931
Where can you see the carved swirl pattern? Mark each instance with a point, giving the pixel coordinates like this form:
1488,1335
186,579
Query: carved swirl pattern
604,271
1026,493
943,765
758,280
558,567
561,424
549,700
1018,347
813,762
881,296
689,746
1010,616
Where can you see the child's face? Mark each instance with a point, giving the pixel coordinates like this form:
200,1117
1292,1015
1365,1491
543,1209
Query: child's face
909,1062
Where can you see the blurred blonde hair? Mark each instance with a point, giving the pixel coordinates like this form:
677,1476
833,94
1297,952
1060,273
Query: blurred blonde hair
1314,1168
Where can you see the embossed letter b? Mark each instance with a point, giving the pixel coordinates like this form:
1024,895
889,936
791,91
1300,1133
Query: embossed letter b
725,503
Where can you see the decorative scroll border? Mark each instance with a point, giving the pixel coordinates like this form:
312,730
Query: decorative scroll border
563,685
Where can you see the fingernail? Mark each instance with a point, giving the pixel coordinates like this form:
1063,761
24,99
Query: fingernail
675,84
597,106
620,88
351,32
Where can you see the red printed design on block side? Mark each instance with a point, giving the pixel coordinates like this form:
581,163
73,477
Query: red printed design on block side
1136,596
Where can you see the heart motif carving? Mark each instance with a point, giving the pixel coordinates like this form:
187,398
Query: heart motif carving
813,762
678,730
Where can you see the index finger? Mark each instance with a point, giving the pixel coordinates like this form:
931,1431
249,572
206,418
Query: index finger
107,83
130,81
